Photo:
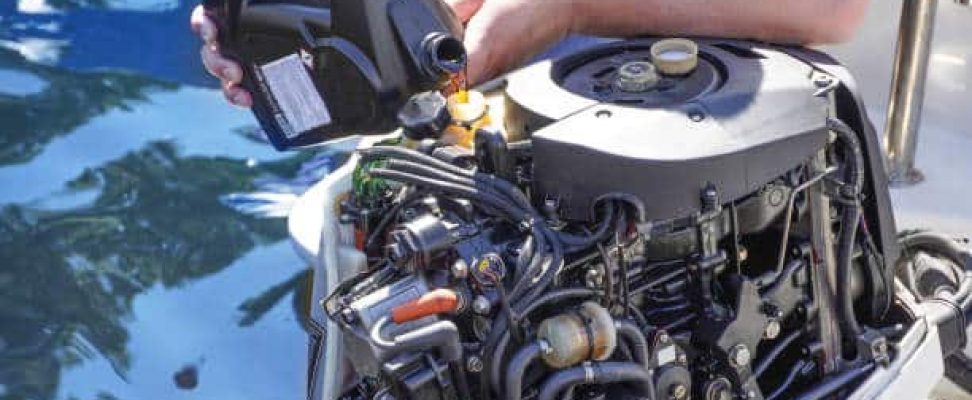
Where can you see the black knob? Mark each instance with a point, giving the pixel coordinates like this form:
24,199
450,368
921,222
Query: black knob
424,116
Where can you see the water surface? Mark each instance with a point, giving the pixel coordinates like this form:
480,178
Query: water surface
124,272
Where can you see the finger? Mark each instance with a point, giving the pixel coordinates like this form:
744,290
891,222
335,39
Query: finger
237,96
480,51
202,24
219,66
465,9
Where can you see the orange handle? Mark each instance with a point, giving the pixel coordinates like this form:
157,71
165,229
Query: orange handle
438,301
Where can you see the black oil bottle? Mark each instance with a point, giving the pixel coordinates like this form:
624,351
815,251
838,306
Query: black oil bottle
320,70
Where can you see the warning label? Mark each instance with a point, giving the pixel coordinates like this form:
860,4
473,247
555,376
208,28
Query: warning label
301,106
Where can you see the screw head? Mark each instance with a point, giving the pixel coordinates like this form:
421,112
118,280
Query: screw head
682,358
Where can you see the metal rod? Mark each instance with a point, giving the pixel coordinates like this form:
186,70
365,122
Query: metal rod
824,266
908,90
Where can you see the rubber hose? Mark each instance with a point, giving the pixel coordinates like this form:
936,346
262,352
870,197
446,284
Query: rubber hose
639,344
598,373
502,336
850,221
589,240
855,173
518,366
845,253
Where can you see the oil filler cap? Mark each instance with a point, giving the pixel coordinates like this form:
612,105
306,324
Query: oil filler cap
675,56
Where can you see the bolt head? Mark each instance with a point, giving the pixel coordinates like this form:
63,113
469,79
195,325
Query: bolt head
348,315
772,329
481,305
460,269
740,355
474,364
822,81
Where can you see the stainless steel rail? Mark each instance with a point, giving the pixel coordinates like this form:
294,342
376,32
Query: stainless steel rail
915,34
908,90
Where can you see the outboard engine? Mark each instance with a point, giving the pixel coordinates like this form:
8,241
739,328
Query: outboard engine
648,218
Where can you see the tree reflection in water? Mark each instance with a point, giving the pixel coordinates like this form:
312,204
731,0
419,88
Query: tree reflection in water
68,101
69,277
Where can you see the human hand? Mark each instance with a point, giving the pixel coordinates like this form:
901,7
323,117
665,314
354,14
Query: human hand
228,71
502,34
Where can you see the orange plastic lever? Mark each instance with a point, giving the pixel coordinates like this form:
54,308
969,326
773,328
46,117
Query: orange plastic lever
438,301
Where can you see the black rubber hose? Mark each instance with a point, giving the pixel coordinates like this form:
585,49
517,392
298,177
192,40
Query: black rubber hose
941,244
513,212
658,281
496,362
421,158
389,216
636,339
554,266
944,245
518,366
850,221
849,224
679,323
598,373
766,361
499,336
855,158
788,380
589,240
442,336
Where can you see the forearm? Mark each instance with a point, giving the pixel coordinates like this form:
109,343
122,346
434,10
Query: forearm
781,21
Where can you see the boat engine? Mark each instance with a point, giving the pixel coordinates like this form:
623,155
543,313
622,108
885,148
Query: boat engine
647,219
661,219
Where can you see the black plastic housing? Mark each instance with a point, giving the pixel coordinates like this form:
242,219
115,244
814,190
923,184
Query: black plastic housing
746,116
320,70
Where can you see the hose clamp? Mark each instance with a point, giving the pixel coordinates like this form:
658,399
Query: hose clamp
589,373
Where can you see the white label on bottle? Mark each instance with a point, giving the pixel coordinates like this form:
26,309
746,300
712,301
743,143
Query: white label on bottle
290,84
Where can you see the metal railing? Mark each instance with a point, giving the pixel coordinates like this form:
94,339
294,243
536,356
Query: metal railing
915,36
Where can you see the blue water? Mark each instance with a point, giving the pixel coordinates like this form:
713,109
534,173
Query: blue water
135,263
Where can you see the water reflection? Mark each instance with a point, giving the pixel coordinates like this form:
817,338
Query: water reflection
122,274
64,102
70,277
